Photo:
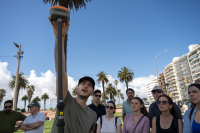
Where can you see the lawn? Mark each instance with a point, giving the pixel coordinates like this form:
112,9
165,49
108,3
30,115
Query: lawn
48,124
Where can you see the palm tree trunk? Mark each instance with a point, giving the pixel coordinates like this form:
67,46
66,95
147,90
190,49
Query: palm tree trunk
126,84
44,103
111,98
25,105
104,96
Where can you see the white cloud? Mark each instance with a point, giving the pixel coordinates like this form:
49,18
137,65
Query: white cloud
46,83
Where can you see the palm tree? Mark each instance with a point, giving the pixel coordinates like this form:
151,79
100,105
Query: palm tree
24,98
2,94
110,90
102,78
106,97
30,91
22,83
74,92
118,94
45,96
125,74
122,96
116,83
36,99
71,4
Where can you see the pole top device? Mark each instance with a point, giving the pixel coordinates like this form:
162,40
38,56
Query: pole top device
59,12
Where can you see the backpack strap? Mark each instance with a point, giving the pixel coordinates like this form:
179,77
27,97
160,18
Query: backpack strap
101,121
191,112
116,121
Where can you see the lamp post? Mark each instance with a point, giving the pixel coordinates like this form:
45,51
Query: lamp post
155,63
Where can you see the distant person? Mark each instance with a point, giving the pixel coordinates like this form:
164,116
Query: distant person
185,107
96,106
34,123
8,118
126,106
154,110
192,115
79,118
169,121
138,121
109,123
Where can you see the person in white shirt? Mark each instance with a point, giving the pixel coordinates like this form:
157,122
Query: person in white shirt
34,123
109,123
185,107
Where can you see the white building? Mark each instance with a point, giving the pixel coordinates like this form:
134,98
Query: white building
149,87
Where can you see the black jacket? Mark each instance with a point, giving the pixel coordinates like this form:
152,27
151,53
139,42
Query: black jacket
154,111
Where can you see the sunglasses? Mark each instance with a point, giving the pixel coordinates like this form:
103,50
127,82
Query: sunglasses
7,107
158,91
163,102
97,95
111,107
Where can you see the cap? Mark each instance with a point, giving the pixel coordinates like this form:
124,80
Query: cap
87,78
157,88
34,104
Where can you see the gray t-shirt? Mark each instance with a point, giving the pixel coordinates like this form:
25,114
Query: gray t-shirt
77,118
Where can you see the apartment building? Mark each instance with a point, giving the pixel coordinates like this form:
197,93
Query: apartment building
149,87
161,80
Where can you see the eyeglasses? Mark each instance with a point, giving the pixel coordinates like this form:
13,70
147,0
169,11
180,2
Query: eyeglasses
97,95
7,107
158,91
163,102
111,107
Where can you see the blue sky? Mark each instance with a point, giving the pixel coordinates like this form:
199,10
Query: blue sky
105,37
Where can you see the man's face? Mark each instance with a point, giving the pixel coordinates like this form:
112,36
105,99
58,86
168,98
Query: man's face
97,97
85,89
8,107
157,93
130,94
33,109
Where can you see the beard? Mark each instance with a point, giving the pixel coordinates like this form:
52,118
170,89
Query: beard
7,111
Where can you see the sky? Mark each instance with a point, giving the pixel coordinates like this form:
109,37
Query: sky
105,36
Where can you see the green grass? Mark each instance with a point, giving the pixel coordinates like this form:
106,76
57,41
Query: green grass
47,127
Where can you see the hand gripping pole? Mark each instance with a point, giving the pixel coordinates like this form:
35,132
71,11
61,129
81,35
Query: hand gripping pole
60,14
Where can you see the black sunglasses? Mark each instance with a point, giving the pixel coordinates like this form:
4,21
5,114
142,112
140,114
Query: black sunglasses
7,107
111,107
163,102
158,91
97,95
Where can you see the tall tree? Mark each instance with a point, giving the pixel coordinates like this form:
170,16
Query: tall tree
118,94
36,100
71,4
125,75
45,96
116,83
74,92
2,94
30,91
102,79
24,98
111,91
106,97
22,83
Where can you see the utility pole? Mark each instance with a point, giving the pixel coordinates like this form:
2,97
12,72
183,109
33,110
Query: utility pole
17,76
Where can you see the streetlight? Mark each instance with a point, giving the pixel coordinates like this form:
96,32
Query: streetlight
155,63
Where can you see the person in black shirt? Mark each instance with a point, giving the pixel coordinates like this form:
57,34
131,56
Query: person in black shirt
96,106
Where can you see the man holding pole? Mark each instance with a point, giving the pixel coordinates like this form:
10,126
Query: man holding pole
79,118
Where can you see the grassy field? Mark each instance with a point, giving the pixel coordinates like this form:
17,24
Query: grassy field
48,124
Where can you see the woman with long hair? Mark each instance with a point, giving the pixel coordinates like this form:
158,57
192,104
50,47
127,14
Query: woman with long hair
138,122
109,123
168,121
192,115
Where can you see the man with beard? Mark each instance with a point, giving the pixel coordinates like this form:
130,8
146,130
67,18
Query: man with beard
8,118
78,117
126,107
96,106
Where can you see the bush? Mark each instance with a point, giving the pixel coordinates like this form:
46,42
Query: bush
55,109
23,110
18,109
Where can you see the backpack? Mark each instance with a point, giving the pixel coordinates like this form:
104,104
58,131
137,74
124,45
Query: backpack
191,112
115,121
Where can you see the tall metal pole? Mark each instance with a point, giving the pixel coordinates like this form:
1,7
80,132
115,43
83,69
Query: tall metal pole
16,80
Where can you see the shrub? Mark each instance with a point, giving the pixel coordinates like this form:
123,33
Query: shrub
23,110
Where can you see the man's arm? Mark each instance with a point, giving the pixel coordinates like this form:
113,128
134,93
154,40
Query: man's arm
25,128
16,128
35,125
151,114
123,111
91,131
124,114
65,27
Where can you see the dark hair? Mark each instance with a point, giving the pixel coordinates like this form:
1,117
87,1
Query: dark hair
143,110
170,101
195,84
130,90
113,104
96,91
8,101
